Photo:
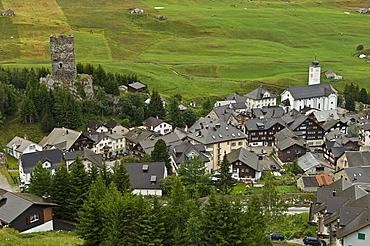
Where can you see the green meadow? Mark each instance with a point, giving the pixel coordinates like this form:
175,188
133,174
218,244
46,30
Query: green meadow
203,48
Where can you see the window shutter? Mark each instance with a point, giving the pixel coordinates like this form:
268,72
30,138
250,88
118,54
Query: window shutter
40,216
28,220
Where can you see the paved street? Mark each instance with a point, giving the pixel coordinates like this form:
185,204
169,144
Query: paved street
5,185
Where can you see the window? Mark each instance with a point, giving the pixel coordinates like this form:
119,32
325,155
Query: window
288,152
34,218
233,144
240,143
361,236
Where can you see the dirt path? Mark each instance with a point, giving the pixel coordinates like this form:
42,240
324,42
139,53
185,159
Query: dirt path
5,185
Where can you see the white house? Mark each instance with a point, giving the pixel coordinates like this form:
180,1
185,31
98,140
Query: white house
18,146
259,98
157,125
365,134
314,95
108,143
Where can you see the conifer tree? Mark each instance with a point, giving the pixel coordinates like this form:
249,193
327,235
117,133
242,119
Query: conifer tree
61,192
121,178
79,185
40,180
155,106
28,111
105,174
91,214
160,154
174,114
225,182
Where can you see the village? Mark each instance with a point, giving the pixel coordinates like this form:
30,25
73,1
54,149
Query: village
257,132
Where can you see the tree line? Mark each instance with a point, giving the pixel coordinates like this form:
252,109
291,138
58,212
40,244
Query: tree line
352,93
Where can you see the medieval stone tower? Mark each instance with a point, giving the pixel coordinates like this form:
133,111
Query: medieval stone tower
63,57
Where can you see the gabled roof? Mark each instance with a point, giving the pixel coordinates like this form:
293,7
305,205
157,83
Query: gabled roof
16,203
61,138
111,124
137,134
29,160
311,91
329,123
210,131
358,174
309,160
181,152
327,191
85,154
93,125
258,93
272,112
224,112
141,176
358,158
262,124
283,134
152,122
323,179
297,122
21,144
309,181
324,115
248,158
170,139
236,98
289,142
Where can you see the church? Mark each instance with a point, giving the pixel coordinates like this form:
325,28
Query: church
315,95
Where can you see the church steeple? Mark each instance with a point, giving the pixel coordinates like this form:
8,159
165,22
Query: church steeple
314,73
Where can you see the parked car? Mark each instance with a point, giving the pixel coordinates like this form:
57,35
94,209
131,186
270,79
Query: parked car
264,152
260,157
275,236
273,167
315,241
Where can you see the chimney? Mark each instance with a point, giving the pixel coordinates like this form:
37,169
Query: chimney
46,197
334,192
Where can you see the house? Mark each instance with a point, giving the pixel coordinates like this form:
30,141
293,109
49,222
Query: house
8,12
108,144
357,174
245,164
331,75
270,112
26,212
145,177
312,183
157,125
88,157
50,159
312,164
146,146
314,95
310,130
94,126
259,98
364,134
353,159
260,132
137,87
19,146
113,126
134,136
164,100
66,140
183,152
289,148
217,137
136,11
224,113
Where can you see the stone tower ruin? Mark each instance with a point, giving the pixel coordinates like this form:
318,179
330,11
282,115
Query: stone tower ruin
63,57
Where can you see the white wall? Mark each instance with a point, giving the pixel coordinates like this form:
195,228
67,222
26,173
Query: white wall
48,226
352,239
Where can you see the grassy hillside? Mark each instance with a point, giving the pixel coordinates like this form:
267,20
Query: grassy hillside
203,48
10,237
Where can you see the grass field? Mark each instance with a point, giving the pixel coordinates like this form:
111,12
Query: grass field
203,48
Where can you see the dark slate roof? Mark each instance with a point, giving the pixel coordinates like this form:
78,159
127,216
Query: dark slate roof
85,154
283,134
248,158
137,134
262,124
358,158
29,160
338,151
141,179
310,91
17,203
152,121
257,94
209,131
297,122
329,123
170,139
309,181
358,174
224,112
289,142
111,124
272,112
93,125
347,214
236,97
181,152
327,191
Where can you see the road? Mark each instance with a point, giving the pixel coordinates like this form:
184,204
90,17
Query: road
6,186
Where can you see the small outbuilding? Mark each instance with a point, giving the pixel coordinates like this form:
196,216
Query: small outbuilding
8,12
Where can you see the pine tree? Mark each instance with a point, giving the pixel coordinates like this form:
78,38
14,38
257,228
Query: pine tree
28,111
362,95
121,178
174,114
155,106
90,215
223,222
79,185
160,154
105,174
61,192
40,180
47,122
189,116
225,182
195,177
